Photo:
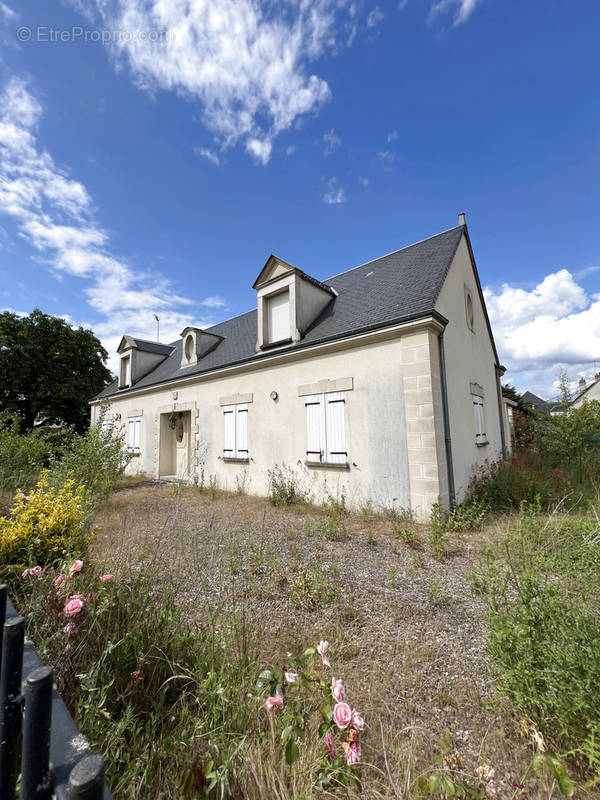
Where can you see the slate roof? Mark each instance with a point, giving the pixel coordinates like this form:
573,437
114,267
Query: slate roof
147,346
397,287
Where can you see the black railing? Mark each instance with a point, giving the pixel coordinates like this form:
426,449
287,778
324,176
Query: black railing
38,738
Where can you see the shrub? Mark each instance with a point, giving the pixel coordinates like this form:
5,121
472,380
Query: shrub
44,523
506,484
284,489
96,460
566,441
544,641
22,457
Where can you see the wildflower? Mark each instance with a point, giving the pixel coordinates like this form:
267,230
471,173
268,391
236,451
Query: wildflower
342,715
106,578
352,752
73,606
358,721
291,677
330,746
70,628
274,702
485,773
64,552
337,690
538,740
77,566
25,573
136,674
59,580
37,571
490,790
322,648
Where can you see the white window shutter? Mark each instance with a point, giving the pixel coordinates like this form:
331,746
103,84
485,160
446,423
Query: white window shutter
229,431
137,430
131,433
241,430
336,434
480,437
278,313
315,428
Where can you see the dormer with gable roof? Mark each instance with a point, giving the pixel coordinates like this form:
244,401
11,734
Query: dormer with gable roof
196,344
289,301
138,357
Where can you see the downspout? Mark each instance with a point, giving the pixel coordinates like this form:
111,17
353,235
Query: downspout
499,372
447,437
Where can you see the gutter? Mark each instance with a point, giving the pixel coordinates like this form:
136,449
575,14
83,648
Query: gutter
500,370
447,436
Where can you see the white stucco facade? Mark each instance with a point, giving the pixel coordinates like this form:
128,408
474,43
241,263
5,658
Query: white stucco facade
396,402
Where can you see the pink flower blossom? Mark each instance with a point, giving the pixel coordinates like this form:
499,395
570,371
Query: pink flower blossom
25,573
274,702
337,690
353,752
64,552
37,571
330,746
291,677
322,648
73,606
77,566
70,628
59,580
490,789
342,715
106,578
358,721
136,674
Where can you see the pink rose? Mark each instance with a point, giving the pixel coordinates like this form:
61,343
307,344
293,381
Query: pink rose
330,746
106,578
342,715
337,690
73,606
322,648
59,580
70,628
291,677
358,721
25,573
353,753
274,702
77,566
136,674
37,571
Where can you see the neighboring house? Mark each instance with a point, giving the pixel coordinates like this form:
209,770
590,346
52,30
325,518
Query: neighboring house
588,392
381,383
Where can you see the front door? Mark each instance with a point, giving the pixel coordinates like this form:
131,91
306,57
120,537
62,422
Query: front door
174,454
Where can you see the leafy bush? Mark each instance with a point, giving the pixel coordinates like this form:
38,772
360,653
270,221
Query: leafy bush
96,460
44,523
544,641
22,457
166,701
506,484
566,441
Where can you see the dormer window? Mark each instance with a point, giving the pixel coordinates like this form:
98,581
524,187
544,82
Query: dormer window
125,371
288,301
278,317
189,347
196,344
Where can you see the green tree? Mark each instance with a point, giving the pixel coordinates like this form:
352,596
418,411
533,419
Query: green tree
49,369
512,394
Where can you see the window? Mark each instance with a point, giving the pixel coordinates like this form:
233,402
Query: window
480,437
135,429
469,310
278,317
189,348
125,373
325,428
235,428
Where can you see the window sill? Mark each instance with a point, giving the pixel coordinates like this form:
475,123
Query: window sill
278,343
481,444
327,465
230,460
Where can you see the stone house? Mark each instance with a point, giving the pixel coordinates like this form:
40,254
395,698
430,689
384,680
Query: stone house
381,383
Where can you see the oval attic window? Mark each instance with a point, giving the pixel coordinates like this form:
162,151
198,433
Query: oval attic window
470,315
189,347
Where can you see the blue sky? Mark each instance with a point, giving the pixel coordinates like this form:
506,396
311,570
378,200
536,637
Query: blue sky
156,171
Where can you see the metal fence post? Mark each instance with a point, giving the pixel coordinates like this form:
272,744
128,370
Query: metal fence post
35,762
11,715
86,781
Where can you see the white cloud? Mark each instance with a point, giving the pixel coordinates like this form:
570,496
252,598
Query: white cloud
209,155
392,136
387,158
244,61
8,12
54,213
363,181
375,17
290,150
213,302
538,330
463,9
334,193
330,141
